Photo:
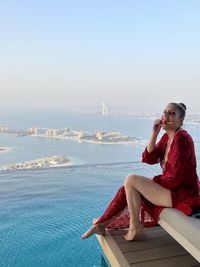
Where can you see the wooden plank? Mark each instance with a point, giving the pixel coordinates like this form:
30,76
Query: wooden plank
147,244
156,253
180,261
146,234
147,229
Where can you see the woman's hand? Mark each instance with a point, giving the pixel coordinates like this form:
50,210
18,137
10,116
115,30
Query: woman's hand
157,126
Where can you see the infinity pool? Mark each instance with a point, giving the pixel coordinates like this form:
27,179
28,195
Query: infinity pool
43,213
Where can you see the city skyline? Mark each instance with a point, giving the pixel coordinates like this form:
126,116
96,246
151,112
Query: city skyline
131,54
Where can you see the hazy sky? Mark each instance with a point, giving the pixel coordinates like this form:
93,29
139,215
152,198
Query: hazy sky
140,53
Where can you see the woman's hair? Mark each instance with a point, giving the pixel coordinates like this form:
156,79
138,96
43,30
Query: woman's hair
181,108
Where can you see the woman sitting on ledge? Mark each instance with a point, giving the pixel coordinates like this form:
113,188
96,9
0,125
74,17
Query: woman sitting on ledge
177,186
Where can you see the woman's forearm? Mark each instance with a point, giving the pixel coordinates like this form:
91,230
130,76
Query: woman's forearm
152,142
156,129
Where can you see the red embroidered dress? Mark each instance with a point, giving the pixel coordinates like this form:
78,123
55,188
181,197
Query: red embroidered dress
179,176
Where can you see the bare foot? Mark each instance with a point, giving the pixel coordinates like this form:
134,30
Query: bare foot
132,232
95,229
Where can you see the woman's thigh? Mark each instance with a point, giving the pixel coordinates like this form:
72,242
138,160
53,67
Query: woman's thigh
150,190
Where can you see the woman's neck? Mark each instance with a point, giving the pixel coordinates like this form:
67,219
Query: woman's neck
171,133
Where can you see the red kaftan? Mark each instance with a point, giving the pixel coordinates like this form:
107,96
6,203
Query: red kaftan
179,176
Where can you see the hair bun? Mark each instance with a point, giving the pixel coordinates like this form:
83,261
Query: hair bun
182,105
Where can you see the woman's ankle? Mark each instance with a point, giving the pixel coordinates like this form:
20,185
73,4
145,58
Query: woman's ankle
103,224
135,225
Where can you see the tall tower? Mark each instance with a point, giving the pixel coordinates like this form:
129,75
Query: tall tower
104,109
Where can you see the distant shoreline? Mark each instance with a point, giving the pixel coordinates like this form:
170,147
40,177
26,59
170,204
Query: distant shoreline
5,149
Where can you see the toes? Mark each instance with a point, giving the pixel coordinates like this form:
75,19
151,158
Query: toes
87,234
132,233
84,236
129,237
95,229
126,237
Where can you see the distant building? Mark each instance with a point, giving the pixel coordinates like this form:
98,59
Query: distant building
50,132
100,135
54,132
104,109
3,129
33,130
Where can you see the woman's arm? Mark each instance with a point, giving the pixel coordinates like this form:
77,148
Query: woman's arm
156,154
153,151
156,129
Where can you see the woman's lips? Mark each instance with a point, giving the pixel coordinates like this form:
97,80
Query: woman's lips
167,122
164,121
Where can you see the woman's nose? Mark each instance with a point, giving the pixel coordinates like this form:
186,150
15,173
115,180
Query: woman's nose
164,116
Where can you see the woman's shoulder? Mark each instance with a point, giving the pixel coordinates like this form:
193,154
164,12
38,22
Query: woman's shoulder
184,136
183,133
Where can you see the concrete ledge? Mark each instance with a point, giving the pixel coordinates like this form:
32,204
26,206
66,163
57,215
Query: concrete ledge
184,229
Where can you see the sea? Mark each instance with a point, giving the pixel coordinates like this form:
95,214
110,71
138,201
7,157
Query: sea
43,212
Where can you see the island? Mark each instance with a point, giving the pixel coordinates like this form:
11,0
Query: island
53,161
98,137
4,149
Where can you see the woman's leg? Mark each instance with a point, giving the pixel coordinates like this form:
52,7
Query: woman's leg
135,186
117,205
134,204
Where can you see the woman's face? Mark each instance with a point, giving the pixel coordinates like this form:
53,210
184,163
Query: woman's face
171,119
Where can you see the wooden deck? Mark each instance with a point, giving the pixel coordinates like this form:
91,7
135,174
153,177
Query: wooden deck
154,247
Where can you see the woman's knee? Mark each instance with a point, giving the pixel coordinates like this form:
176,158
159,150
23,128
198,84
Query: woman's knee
130,180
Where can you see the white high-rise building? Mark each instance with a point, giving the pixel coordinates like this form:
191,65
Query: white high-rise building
104,109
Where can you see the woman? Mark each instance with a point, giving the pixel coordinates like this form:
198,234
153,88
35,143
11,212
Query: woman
177,187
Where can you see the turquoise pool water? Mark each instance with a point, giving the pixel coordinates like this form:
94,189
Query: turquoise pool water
43,213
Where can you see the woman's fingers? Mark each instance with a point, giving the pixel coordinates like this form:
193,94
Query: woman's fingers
157,125
157,122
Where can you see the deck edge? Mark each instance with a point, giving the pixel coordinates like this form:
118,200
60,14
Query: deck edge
114,255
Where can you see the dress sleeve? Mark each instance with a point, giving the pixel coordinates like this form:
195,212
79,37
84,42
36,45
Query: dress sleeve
181,163
154,156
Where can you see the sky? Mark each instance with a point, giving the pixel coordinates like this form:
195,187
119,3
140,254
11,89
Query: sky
137,54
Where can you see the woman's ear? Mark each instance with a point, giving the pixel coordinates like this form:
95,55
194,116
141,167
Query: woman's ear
181,121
